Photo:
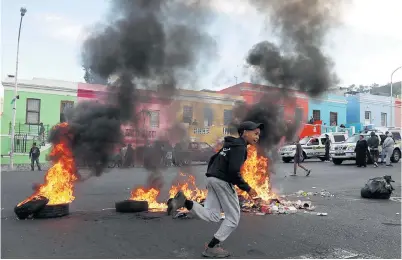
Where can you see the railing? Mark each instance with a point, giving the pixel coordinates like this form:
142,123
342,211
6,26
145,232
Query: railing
28,129
26,135
24,142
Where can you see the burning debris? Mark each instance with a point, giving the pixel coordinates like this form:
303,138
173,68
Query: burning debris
57,191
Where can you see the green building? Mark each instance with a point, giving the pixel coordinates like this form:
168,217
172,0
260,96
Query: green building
40,101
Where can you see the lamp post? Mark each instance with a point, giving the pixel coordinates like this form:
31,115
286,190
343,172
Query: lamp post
23,10
392,74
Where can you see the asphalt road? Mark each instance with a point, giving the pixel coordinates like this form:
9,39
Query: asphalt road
354,227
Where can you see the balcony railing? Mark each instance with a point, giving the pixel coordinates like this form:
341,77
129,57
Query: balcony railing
26,135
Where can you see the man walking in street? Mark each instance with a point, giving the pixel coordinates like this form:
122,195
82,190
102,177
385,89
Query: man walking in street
222,173
388,148
373,143
34,154
298,159
327,147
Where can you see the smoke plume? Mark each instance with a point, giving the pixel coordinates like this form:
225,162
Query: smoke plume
295,62
145,44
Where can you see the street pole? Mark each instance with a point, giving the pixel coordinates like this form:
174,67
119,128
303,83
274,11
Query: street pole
22,11
392,74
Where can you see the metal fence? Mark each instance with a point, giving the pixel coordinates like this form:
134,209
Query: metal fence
26,135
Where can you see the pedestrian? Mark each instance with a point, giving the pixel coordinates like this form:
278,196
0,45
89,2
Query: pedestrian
311,120
34,154
129,156
361,152
382,151
41,134
222,173
327,147
388,148
298,159
373,143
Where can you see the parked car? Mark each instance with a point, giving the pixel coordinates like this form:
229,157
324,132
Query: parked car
346,150
313,146
184,154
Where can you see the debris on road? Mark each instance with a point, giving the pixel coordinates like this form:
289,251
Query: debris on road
378,188
322,214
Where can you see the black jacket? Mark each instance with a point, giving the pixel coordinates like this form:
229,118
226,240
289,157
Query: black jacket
34,152
373,142
226,163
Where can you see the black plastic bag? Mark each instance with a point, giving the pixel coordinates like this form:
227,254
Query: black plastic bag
378,188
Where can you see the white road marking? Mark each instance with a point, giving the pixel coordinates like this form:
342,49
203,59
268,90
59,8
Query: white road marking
336,253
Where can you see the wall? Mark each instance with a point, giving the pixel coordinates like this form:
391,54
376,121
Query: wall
50,92
376,105
352,110
326,104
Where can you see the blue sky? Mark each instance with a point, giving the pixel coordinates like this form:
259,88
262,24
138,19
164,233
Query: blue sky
366,48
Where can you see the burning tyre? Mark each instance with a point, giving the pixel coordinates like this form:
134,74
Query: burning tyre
131,206
53,211
31,207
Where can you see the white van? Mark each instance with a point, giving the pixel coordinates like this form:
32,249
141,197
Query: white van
313,146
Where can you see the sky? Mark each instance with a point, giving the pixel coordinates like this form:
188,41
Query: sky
366,47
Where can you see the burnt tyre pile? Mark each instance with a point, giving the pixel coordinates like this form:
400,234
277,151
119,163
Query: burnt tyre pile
37,208
131,206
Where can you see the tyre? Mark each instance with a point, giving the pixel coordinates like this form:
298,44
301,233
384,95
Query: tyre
396,156
131,206
322,159
337,161
53,211
29,208
286,160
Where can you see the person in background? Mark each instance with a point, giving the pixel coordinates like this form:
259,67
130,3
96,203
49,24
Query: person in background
383,151
298,158
388,147
41,133
34,154
373,143
327,147
129,156
361,152
311,120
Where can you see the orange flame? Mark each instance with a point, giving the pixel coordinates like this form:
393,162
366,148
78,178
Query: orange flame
59,179
255,173
150,195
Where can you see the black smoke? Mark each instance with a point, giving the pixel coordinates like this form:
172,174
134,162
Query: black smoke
144,44
294,60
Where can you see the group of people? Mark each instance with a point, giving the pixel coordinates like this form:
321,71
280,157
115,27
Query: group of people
370,148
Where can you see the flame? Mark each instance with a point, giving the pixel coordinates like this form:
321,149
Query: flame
255,173
59,179
151,195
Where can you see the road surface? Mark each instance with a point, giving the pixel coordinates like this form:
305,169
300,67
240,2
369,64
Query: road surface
354,227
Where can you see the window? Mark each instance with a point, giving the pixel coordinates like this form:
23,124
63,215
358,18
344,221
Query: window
396,136
33,111
314,141
187,114
339,138
227,117
208,116
64,107
333,118
383,119
323,140
316,115
367,115
154,119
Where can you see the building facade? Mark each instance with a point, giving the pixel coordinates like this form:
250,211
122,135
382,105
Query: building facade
40,101
366,109
329,108
398,113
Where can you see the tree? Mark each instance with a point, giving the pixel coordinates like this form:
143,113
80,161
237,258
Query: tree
92,78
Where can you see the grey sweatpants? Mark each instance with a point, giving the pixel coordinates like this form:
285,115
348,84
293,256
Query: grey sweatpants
221,197
388,153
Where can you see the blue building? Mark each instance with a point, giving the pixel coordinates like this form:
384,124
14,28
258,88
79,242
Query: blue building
329,108
366,109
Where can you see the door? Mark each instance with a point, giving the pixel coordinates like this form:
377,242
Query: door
322,146
367,117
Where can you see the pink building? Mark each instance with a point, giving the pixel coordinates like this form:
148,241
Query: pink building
153,113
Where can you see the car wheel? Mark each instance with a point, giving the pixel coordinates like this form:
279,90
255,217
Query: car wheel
396,156
131,206
337,161
322,159
286,160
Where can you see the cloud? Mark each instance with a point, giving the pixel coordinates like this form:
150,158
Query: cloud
61,28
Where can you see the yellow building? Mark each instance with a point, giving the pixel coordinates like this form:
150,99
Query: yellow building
206,114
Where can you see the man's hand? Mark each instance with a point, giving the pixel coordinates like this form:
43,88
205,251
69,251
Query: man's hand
252,193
